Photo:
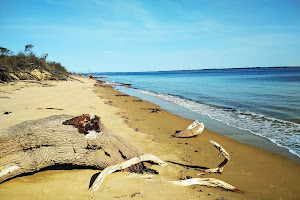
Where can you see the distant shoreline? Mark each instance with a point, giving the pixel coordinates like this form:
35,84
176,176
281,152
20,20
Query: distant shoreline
187,70
238,68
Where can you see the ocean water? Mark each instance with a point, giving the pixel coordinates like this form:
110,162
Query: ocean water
262,101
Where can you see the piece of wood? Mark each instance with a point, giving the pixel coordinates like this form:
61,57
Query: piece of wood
192,130
209,182
223,153
33,145
50,108
123,165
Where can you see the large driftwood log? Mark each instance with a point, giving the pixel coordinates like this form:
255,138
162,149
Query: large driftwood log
34,145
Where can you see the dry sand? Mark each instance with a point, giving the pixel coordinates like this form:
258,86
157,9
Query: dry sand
259,173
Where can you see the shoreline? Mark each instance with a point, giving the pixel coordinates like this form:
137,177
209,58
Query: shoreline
122,101
248,100
236,134
261,174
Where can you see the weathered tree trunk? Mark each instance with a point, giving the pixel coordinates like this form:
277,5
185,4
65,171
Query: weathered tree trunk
33,145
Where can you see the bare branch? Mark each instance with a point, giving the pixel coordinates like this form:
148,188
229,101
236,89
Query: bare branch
209,182
226,156
123,165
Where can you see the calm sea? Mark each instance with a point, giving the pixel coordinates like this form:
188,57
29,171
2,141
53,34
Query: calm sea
262,101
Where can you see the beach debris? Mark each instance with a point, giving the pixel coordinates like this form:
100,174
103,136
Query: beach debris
209,182
85,123
50,108
95,77
123,165
134,194
126,85
110,83
223,153
153,110
192,130
51,141
91,76
6,113
47,142
121,95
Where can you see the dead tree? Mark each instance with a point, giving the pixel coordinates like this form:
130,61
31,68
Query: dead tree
34,145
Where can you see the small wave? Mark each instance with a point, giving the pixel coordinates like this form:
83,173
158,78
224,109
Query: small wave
283,133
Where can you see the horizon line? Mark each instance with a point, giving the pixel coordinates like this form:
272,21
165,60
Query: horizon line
226,68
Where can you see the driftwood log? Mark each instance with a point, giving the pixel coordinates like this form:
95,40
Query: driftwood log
209,182
223,153
34,145
192,130
123,165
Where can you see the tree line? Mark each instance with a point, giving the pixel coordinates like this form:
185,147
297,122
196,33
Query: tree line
20,66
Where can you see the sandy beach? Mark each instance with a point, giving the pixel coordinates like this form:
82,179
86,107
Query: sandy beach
259,173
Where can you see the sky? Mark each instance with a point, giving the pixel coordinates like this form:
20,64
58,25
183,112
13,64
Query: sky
152,35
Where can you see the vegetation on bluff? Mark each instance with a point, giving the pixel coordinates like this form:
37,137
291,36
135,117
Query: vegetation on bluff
27,66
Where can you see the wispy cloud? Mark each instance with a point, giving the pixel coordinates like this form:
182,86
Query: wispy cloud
133,21
196,18
133,11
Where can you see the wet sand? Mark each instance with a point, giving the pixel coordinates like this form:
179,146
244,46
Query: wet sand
261,174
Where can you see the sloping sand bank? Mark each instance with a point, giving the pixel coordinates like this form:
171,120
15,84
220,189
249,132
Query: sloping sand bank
259,173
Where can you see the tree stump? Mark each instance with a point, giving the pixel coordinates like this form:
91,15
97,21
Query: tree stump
33,145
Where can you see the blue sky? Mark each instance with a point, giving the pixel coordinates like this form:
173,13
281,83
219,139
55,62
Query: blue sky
150,35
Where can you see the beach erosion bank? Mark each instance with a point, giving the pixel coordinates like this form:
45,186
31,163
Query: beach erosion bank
261,174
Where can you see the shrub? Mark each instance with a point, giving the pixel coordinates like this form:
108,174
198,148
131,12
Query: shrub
12,66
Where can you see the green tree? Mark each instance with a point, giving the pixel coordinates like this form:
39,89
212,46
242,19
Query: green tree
4,51
28,48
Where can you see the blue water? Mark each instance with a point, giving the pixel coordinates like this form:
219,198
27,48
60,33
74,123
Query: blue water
263,101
